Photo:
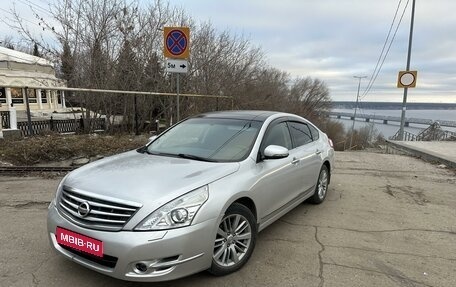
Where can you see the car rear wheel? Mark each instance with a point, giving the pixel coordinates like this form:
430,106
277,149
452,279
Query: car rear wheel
321,188
235,240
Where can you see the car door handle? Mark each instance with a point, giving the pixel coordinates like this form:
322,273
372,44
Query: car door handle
295,161
318,152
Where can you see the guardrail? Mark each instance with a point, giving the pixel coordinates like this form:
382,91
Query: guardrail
433,133
386,119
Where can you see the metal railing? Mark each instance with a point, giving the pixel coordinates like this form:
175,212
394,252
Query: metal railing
433,133
60,126
443,123
407,136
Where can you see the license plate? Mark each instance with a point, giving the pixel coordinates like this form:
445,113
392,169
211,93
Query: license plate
79,241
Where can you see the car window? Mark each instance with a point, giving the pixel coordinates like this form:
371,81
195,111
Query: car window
278,135
314,132
300,133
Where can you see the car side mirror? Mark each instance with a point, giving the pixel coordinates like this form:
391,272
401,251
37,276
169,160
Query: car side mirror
275,152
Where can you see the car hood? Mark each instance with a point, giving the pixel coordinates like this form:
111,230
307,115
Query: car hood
146,179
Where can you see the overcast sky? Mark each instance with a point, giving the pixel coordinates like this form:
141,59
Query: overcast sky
334,40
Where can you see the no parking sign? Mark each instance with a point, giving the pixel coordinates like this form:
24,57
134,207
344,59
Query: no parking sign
176,42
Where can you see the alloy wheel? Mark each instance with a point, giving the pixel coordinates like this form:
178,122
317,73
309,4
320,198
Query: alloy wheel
233,240
322,184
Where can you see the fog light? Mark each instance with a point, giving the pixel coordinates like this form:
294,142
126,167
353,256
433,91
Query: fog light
179,215
140,267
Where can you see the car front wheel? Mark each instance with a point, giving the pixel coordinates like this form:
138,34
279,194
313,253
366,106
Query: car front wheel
235,240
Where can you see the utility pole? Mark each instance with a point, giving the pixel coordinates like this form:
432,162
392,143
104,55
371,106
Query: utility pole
404,100
356,107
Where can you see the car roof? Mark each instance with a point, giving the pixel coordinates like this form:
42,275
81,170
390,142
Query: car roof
260,116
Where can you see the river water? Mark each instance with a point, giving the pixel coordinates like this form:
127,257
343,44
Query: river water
392,127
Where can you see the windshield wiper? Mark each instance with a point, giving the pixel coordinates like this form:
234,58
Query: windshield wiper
195,157
182,155
144,149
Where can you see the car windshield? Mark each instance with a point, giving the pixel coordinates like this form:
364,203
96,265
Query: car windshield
208,139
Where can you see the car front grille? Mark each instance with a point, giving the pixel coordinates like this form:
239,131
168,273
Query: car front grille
103,214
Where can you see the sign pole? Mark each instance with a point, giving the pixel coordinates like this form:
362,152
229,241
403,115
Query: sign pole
176,50
136,116
177,86
404,100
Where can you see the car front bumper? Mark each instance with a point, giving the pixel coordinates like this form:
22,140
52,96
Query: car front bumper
169,254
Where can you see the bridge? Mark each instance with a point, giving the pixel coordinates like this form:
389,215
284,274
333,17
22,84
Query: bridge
386,119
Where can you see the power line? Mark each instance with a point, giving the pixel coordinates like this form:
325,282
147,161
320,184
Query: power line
17,18
383,48
14,15
387,51
44,2
36,6
41,24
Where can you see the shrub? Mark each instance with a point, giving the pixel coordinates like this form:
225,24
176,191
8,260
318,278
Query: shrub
54,147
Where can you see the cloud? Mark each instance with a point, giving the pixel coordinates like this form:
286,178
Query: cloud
334,40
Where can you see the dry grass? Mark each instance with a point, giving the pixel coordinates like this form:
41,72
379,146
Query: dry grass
50,148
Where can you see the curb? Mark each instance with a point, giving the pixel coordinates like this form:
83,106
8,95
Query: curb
417,152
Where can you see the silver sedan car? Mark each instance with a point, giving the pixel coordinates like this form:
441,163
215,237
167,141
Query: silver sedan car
194,198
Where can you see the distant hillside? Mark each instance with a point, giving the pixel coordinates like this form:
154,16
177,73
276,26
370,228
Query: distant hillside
394,106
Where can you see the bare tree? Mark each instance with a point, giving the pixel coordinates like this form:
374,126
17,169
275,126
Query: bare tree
117,44
7,42
309,97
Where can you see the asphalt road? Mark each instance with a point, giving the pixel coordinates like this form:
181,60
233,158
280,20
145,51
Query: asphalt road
388,220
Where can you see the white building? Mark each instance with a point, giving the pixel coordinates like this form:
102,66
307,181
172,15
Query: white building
19,71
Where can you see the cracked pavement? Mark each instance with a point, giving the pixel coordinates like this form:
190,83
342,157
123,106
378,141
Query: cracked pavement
388,220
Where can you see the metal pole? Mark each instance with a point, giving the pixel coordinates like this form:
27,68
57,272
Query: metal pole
177,105
29,117
409,53
356,107
121,92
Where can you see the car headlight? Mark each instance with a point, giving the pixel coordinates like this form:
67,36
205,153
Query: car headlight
177,213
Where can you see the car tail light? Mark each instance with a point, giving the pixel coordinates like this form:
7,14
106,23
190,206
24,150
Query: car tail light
330,142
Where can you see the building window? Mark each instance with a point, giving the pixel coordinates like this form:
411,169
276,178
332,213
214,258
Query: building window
16,96
31,93
43,97
59,97
2,96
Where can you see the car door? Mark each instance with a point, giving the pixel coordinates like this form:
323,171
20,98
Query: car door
308,152
278,179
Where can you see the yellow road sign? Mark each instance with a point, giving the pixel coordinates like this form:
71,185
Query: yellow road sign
406,79
176,42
